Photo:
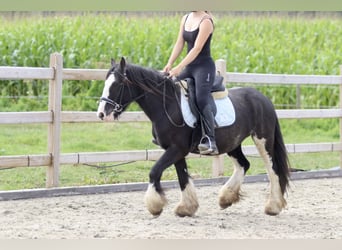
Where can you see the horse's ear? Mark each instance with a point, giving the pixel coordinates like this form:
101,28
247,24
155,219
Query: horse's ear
122,63
112,61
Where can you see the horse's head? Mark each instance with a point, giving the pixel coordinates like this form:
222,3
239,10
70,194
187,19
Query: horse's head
126,83
114,97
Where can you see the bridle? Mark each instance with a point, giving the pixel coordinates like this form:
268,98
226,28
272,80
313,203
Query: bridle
119,107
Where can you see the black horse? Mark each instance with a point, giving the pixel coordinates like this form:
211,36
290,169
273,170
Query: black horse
159,98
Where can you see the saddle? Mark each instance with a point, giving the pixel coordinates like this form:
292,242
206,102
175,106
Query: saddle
218,91
225,115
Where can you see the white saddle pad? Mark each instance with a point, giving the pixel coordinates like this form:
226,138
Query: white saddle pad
225,115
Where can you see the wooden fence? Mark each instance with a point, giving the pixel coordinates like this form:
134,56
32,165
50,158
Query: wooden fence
54,117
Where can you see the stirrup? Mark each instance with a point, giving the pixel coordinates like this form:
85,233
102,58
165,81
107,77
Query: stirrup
206,147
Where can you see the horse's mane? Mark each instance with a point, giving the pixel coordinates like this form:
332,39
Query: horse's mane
148,79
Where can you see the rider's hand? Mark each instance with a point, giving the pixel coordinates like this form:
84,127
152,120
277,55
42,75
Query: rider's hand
167,68
174,72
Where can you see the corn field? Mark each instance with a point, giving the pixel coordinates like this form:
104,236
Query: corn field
259,44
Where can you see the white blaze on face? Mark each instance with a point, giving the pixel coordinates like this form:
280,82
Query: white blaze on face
105,93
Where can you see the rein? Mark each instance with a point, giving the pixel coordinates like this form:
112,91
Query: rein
165,109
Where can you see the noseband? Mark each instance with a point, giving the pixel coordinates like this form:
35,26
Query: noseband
116,106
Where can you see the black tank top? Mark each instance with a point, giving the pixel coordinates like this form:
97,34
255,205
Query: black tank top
190,38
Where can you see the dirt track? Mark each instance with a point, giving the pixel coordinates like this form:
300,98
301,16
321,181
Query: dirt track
314,211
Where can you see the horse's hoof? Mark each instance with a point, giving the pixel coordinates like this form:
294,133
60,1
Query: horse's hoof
156,214
272,211
156,209
228,197
225,204
154,201
181,210
189,202
274,208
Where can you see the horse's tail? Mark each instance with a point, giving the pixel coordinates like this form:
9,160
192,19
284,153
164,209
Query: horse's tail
281,164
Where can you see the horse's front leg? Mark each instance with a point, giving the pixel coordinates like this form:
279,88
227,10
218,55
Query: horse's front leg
155,199
189,203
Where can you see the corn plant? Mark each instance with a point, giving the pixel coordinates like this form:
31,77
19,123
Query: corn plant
248,44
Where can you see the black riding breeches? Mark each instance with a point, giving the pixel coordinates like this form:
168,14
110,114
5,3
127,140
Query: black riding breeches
203,74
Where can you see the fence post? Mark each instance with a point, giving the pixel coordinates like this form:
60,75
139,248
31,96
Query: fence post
54,128
218,160
221,69
341,118
298,93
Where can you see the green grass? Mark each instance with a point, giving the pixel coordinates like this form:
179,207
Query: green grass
31,139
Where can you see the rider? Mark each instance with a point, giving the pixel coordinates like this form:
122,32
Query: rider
196,30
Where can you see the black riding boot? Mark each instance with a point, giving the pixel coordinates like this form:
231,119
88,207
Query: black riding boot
207,144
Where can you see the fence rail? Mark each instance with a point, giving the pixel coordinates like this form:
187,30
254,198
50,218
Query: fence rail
7,162
54,117
282,79
138,116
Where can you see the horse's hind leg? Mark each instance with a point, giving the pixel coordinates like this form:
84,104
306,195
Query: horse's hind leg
189,203
230,192
276,201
